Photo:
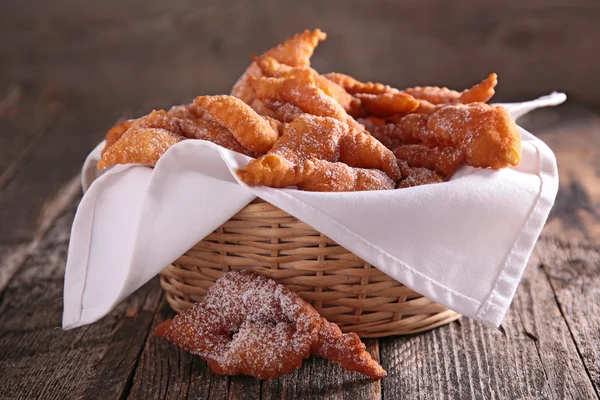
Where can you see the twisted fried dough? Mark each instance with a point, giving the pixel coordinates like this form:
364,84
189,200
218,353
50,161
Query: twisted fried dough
272,69
139,145
295,51
115,133
443,160
318,138
249,324
324,176
361,150
287,112
387,104
249,128
410,129
416,176
354,86
487,134
302,91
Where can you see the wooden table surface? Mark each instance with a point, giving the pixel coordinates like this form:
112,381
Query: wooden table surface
548,346
69,69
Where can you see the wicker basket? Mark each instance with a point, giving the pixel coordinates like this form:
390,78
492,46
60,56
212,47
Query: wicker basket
342,287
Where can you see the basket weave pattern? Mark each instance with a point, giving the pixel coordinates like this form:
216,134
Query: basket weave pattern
342,287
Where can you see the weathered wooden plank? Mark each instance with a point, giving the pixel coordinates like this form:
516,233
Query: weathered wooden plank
574,273
321,379
177,50
13,256
574,135
569,246
532,356
166,372
39,360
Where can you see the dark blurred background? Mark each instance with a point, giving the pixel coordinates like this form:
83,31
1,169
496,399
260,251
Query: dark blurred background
69,69
137,54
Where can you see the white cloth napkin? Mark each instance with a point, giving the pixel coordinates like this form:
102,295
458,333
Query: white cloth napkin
463,243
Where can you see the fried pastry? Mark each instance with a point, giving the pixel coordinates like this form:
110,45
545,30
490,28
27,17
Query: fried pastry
249,128
433,94
269,170
250,324
273,69
156,119
443,160
309,137
115,133
409,129
324,176
261,108
361,150
416,176
287,112
213,132
186,111
481,92
139,145
180,121
432,98
300,127
346,350
312,175
354,86
295,51
302,91
387,104
298,50
486,134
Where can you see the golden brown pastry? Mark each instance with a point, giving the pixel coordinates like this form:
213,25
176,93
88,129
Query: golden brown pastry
416,176
249,128
326,139
486,134
249,324
139,146
295,52
302,91
443,160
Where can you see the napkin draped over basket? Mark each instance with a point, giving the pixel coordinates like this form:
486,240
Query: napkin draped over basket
342,287
463,244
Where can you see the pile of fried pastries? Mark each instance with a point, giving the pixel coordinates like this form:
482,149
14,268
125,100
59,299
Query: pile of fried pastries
330,132
249,324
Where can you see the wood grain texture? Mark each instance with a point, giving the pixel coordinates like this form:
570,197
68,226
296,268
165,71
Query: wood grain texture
156,53
531,356
568,249
574,274
14,255
39,360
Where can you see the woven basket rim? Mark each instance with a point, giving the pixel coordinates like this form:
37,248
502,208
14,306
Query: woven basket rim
345,289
